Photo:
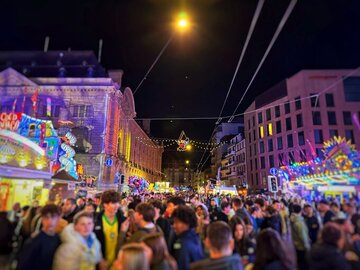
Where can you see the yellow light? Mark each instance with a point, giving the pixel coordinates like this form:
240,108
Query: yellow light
261,132
187,161
23,163
39,166
188,147
270,129
182,23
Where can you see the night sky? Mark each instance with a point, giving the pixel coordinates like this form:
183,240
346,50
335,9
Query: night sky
194,73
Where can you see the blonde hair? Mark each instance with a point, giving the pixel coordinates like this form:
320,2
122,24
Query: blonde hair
133,257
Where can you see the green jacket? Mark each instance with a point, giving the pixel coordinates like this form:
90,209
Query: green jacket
299,232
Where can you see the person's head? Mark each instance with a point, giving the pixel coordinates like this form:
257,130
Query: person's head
236,203
271,211
259,202
69,206
213,202
156,242
80,202
248,225
201,211
144,212
323,206
308,210
133,256
50,215
225,207
24,210
90,207
84,223
184,219
334,207
270,247
345,225
219,239
277,205
331,235
296,209
16,207
111,202
173,203
35,203
238,228
249,204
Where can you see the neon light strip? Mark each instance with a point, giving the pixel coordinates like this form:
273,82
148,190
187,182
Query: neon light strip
23,140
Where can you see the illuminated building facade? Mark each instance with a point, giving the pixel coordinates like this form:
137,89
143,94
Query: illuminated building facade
74,92
290,122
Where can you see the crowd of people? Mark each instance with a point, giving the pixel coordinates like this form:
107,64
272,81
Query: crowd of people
183,231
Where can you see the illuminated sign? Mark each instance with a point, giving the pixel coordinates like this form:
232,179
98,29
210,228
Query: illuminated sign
10,121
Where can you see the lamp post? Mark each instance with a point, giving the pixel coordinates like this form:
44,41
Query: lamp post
181,25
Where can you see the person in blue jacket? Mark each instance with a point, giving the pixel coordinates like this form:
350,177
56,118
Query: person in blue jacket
186,247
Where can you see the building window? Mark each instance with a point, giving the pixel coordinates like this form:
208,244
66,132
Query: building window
303,155
349,135
329,100
352,89
254,134
257,179
331,118
278,127
279,143
249,124
318,136
262,162
269,129
288,124
282,162
253,121
277,111
319,153
251,166
287,107
254,149
261,147
270,145
298,103
301,138
290,140
314,100
316,118
256,164
82,111
291,157
347,118
268,115
260,119
249,137
271,161
333,133
250,151
261,132
299,120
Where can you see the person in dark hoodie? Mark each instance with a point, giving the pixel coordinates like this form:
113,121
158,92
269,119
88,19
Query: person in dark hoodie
326,255
272,219
186,247
38,252
220,243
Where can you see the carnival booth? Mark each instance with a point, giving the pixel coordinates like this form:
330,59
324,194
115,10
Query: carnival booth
27,148
337,175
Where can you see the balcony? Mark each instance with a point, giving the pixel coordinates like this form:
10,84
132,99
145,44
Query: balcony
231,153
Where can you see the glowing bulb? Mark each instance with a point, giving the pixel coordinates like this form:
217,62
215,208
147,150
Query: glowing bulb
182,23
23,163
39,166
188,147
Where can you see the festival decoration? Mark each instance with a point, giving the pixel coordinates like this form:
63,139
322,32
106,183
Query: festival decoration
66,155
137,184
341,166
34,99
182,142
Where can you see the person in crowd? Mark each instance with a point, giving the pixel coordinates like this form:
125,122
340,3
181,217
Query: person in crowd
325,213
223,215
69,210
326,255
160,221
80,249
220,243
203,220
271,252
172,204
311,222
38,253
6,232
272,219
260,203
335,208
244,246
239,208
186,247
258,217
213,210
161,259
144,219
108,225
90,208
133,256
300,236
80,204
14,214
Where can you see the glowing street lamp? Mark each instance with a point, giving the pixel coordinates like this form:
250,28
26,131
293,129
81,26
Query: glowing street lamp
188,147
187,162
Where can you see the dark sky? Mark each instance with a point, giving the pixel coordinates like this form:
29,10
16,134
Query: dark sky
193,75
